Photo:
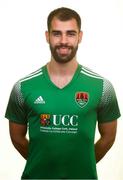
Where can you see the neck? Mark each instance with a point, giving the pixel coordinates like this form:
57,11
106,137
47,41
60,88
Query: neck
55,68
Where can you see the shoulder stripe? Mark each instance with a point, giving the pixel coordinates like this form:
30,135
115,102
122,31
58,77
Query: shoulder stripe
33,73
92,75
32,76
89,71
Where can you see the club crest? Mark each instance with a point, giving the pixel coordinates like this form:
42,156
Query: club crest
82,98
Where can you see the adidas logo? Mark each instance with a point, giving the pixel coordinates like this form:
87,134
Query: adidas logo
39,100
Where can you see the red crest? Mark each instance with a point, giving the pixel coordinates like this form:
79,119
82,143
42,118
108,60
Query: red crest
82,98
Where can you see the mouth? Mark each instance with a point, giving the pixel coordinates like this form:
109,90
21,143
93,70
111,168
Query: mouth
63,50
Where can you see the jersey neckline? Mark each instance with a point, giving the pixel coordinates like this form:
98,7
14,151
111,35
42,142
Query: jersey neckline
45,72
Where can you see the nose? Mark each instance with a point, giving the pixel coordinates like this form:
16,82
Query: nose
63,39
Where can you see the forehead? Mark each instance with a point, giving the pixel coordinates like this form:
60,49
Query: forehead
59,25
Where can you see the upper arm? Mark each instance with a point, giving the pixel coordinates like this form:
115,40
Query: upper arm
108,130
16,111
17,131
108,109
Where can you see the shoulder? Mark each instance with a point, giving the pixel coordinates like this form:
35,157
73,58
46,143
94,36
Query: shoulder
32,76
27,81
93,75
90,73
97,81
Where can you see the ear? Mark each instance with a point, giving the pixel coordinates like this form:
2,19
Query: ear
47,36
80,36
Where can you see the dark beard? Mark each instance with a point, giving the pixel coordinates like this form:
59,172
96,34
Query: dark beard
63,58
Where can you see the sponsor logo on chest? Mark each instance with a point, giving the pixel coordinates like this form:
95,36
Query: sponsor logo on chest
59,123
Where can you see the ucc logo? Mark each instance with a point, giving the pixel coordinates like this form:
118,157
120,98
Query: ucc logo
57,120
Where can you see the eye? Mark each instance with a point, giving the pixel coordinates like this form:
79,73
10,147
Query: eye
71,33
56,33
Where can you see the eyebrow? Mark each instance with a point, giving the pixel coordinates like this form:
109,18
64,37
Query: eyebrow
69,31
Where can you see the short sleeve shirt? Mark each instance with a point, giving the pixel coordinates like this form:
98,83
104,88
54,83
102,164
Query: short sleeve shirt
62,122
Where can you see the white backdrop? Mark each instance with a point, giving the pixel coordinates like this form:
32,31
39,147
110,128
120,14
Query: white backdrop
23,49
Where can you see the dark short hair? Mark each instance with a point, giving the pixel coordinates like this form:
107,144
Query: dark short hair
63,14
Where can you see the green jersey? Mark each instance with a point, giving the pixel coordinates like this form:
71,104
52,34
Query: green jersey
62,122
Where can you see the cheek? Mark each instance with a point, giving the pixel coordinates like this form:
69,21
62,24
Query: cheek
53,41
75,42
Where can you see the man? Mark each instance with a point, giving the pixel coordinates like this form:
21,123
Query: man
60,105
